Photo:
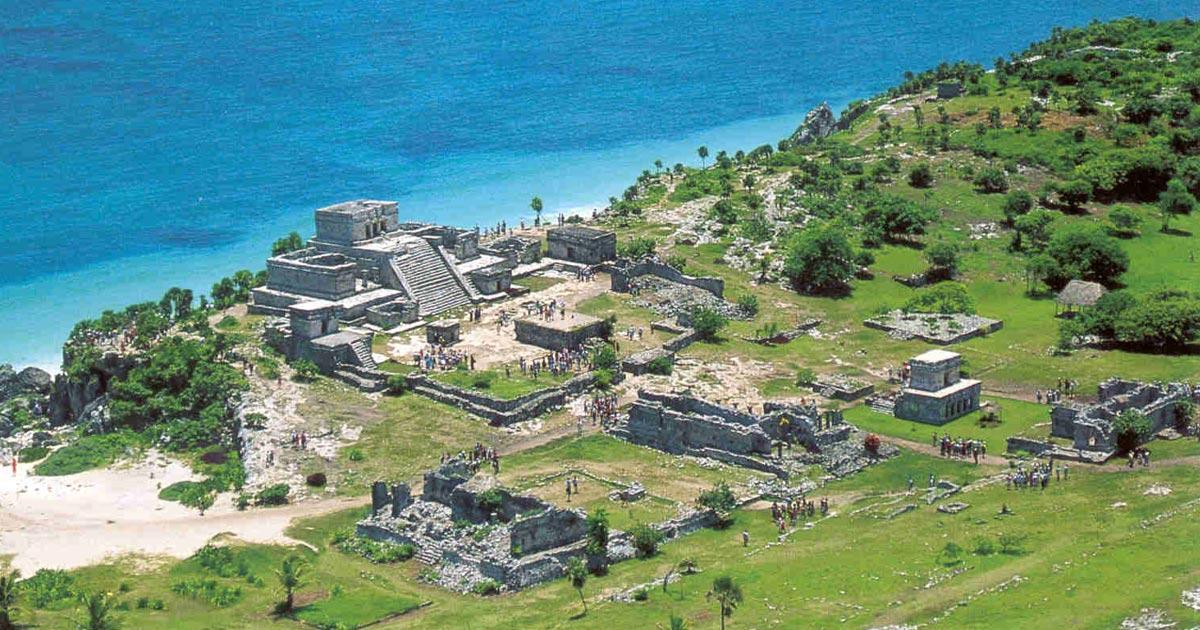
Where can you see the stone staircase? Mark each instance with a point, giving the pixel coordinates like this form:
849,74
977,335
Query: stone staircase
429,552
431,279
883,404
363,353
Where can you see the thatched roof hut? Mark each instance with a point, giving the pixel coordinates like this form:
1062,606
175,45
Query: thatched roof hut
1080,293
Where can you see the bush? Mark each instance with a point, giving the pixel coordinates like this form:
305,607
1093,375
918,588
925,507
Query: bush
32,453
984,547
805,377
227,322
208,590
397,384
1132,428
273,495
306,371
748,302
355,454
92,451
663,366
947,297
1017,203
720,498
486,587
1124,222
645,539
490,500
638,247
49,588
991,180
642,594
374,551
707,322
316,480
871,443
920,176
604,357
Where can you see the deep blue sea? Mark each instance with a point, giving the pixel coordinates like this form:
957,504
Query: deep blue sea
157,143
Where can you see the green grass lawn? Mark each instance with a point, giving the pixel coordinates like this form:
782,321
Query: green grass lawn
537,283
1017,417
495,384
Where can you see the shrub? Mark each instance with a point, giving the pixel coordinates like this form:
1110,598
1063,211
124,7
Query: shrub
984,547
638,247
316,480
273,495
597,532
604,357
227,322
491,499
947,297
1132,428
707,322
374,551
32,453
920,175
991,180
49,588
645,539
662,366
871,443
306,371
355,454
1185,412
1012,544
397,384
720,498
805,377
88,452
1124,222
748,302
208,590
642,594
1017,203
486,587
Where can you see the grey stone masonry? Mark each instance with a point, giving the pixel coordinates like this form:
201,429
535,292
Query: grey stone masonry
935,392
1090,427
557,333
352,222
581,244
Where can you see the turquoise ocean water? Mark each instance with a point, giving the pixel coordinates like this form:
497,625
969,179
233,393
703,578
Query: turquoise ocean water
151,144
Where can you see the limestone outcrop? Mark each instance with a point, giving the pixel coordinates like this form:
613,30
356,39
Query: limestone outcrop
818,123
71,395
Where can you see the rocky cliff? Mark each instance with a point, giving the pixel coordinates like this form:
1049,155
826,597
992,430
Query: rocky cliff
818,123
72,397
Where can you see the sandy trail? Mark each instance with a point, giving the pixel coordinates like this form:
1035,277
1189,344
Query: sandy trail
82,519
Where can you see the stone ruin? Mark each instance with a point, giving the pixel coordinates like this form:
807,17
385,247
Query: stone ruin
1090,427
841,387
937,328
684,425
471,530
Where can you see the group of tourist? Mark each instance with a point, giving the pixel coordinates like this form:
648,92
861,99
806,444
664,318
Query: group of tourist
476,314
439,357
586,274
572,484
788,513
602,408
299,440
1066,387
476,458
546,310
960,447
1038,475
500,229
632,333
557,363
1139,456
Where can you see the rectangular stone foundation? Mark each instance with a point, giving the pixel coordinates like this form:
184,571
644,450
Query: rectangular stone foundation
557,334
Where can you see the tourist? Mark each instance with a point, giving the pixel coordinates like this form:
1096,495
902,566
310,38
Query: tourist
745,538
568,490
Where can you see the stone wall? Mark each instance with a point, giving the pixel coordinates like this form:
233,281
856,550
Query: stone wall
581,244
549,529
533,331
679,424
501,412
623,272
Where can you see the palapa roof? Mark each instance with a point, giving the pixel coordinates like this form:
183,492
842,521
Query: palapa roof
1081,293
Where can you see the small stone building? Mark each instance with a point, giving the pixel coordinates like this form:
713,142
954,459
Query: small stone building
581,244
558,334
935,392
1090,427
444,332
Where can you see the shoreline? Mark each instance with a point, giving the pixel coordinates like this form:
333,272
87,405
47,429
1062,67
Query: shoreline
27,311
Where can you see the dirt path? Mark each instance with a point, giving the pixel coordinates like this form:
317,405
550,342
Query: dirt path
929,449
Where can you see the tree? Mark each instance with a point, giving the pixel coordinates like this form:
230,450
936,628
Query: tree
703,153
994,118
536,205
577,573
597,532
1033,231
1017,203
727,594
287,244
292,575
1175,200
306,370
97,612
707,322
8,599
1132,428
1075,193
646,539
1086,252
920,175
819,259
1125,221
943,258
658,165
991,180
918,116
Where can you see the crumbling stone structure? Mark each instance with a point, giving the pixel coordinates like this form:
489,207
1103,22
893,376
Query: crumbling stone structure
517,250
1090,427
624,271
559,334
935,392
581,244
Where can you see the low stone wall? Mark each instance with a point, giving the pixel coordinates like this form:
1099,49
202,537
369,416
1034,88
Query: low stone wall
624,271
1029,445
638,364
682,341
501,412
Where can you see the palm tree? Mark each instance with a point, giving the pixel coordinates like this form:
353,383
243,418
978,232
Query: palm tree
98,610
657,166
727,594
577,573
703,153
677,623
536,205
8,599
291,577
